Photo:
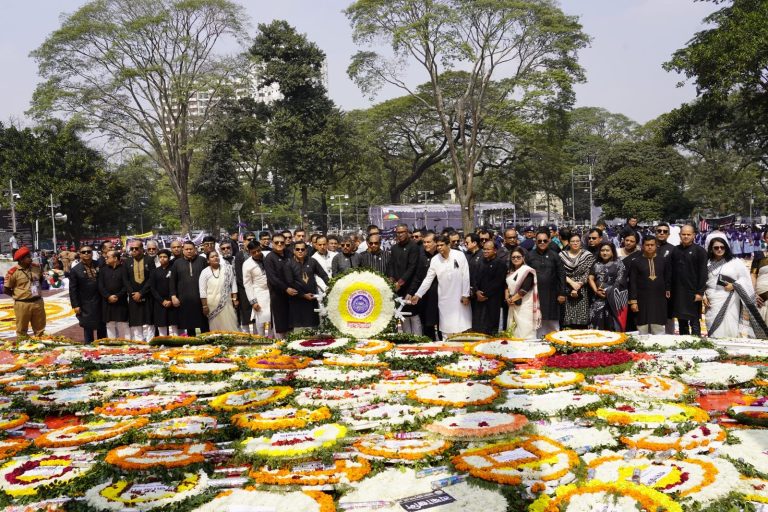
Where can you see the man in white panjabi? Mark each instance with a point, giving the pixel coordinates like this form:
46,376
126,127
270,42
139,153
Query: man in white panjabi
218,293
257,289
451,270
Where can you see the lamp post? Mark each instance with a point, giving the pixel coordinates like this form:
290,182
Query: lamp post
54,217
13,207
426,193
340,204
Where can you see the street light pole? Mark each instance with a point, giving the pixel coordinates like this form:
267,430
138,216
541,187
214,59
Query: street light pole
13,208
53,224
426,193
341,205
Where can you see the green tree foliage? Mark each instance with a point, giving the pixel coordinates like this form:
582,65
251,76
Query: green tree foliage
644,180
527,47
729,65
131,68
53,159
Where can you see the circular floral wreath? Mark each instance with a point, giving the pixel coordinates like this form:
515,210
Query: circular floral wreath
360,303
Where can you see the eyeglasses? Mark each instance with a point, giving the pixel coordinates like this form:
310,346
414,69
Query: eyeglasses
299,249
542,241
662,231
86,252
278,243
346,245
135,248
151,248
516,257
401,232
594,237
250,239
718,248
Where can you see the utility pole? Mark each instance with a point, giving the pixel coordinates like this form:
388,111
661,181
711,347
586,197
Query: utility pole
13,208
584,179
341,205
53,224
426,193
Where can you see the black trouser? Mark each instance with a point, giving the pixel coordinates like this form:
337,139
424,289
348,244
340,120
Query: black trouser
689,326
101,332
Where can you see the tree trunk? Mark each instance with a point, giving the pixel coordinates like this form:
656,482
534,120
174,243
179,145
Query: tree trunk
324,211
304,206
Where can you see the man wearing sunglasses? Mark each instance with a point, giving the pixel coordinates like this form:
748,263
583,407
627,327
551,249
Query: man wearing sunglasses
84,295
664,249
275,265
550,276
308,278
689,281
346,259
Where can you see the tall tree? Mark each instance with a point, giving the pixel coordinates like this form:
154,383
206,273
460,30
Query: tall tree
287,59
527,46
728,63
144,73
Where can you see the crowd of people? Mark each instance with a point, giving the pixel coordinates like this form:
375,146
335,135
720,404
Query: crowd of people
525,285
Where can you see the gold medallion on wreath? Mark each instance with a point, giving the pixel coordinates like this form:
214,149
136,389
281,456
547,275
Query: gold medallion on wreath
360,304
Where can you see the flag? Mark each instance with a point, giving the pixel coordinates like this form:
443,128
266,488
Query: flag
703,224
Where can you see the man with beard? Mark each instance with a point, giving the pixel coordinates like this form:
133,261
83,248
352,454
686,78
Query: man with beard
84,295
185,290
225,248
279,288
256,288
163,312
427,306
403,263
302,273
550,276
346,259
689,281
138,270
489,291
113,287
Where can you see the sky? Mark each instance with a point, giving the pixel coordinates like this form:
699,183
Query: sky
630,41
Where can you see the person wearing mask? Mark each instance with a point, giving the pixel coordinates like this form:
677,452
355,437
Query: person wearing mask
138,270
403,265
451,271
346,259
23,283
218,294
185,290
113,287
521,295
163,312
84,296
551,286
489,291
689,281
302,274
257,289
650,282
322,255
529,236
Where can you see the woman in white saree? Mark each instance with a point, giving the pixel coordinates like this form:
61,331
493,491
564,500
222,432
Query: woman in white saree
760,278
729,293
218,292
522,296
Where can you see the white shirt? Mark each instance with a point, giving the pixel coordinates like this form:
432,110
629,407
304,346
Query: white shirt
452,275
324,261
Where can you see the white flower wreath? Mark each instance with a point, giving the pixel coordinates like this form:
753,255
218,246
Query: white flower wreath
360,304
